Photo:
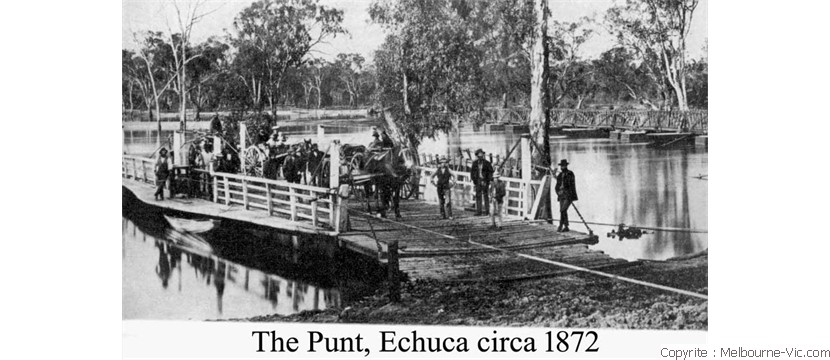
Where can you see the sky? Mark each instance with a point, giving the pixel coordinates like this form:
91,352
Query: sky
364,37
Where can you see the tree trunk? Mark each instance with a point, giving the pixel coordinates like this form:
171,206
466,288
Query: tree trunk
539,117
158,121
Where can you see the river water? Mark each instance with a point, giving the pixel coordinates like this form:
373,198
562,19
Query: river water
232,271
249,272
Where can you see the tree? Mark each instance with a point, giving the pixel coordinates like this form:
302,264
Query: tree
620,75
204,70
183,54
572,77
539,101
348,69
153,53
272,36
429,69
657,29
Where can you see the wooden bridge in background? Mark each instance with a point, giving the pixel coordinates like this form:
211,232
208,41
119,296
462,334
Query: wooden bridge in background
691,121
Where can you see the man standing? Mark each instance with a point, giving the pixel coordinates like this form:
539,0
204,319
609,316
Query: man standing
216,125
566,193
162,171
444,181
315,158
497,192
376,144
481,174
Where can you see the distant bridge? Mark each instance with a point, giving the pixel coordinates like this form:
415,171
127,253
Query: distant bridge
691,121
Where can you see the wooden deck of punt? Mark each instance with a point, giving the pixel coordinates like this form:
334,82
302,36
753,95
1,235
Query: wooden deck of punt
427,255
144,192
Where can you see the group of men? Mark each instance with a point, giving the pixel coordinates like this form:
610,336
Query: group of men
295,163
490,190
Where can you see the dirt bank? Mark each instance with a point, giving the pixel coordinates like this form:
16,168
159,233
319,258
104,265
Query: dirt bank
572,301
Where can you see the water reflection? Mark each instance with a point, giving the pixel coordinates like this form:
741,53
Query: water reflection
187,282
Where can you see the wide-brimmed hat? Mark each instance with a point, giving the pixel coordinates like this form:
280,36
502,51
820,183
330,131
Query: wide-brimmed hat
479,151
163,150
496,176
563,162
443,159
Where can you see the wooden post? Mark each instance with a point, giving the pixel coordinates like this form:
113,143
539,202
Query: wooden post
243,134
321,133
268,202
341,218
178,144
527,173
293,201
334,183
245,193
227,192
215,185
393,268
135,170
217,147
334,164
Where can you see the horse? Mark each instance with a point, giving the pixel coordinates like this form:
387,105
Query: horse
384,170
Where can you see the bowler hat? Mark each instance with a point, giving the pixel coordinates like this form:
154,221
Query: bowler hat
563,162
479,151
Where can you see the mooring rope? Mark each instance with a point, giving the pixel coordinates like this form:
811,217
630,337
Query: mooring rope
547,261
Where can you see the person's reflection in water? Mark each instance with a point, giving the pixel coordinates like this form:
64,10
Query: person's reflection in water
272,290
219,281
163,267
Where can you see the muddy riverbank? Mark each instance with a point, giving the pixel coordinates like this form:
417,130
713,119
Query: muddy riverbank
579,300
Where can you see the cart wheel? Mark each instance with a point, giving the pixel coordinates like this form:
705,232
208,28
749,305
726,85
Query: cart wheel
253,160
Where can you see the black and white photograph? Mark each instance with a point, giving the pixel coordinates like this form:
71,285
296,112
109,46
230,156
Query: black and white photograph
463,163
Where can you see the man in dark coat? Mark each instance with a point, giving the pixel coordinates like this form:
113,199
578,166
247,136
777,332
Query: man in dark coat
482,174
315,158
162,171
216,125
566,193
444,181
386,140
291,167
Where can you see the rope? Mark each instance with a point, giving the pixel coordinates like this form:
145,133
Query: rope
667,229
551,262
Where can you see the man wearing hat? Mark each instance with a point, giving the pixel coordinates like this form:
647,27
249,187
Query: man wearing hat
482,174
162,171
376,143
497,193
444,181
566,193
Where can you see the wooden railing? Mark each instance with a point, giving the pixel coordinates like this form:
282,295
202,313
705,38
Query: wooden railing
520,194
295,202
138,168
511,168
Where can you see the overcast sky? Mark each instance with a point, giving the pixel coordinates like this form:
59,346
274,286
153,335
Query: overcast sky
364,37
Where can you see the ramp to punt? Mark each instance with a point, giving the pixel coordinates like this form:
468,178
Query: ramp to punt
425,253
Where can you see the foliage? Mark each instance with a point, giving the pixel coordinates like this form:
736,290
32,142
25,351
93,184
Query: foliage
656,31
429,72
272,36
